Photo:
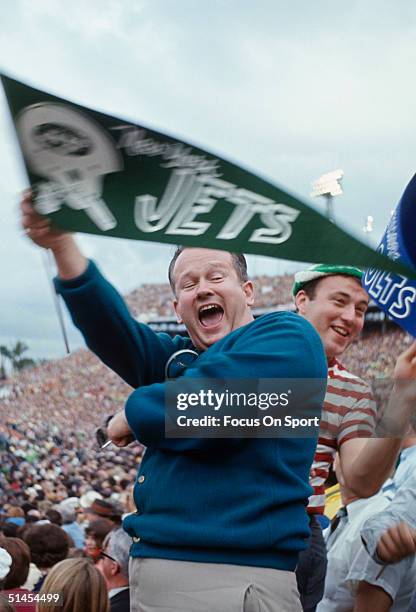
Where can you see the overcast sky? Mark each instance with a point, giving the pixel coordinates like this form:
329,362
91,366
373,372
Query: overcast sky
292,90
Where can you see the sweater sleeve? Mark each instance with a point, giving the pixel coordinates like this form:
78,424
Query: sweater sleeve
129,348
267,348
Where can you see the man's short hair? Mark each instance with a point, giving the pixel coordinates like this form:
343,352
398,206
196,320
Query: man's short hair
310,288
239,263
117,545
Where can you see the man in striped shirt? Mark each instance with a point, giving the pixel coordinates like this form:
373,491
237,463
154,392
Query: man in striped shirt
332,299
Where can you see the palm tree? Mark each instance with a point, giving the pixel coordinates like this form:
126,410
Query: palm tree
14,354
17,352
4,354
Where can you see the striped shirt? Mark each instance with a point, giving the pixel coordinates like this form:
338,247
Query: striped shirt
349,411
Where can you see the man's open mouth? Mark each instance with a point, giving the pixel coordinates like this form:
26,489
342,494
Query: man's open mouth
210,315
340,330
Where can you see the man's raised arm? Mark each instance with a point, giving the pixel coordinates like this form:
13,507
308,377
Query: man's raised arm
367,462
98,310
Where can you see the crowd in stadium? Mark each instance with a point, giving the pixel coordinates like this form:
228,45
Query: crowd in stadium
152,301
48,419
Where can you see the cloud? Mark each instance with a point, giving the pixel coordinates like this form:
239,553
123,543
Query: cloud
291,90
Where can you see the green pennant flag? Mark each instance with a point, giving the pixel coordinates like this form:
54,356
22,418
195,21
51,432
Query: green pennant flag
99,174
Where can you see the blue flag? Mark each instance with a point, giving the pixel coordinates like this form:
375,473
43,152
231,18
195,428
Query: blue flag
393,293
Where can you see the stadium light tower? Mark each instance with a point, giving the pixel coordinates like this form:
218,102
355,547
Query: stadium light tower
368,226
328,186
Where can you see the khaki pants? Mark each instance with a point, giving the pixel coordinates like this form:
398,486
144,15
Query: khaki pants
161,585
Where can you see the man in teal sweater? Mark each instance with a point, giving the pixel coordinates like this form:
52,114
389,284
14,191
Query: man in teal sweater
219,522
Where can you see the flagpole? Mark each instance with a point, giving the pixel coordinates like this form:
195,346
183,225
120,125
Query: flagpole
48,264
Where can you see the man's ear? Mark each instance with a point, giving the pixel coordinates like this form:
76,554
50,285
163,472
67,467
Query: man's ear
301,301
175,308
115,569
248,289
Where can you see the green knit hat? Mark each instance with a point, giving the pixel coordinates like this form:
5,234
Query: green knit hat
321,270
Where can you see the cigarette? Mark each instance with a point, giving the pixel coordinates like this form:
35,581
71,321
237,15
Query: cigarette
106,444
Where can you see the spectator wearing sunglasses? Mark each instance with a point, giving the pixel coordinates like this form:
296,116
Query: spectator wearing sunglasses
113,564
